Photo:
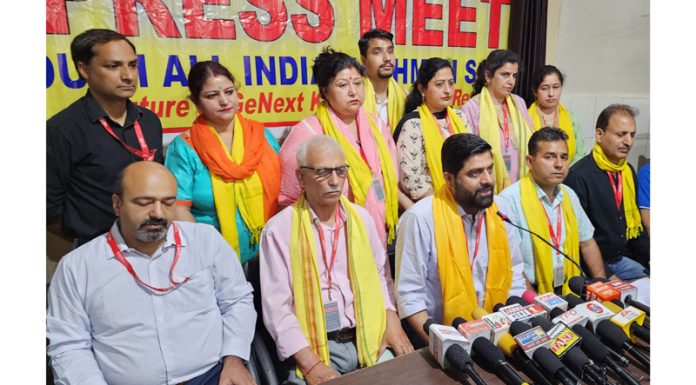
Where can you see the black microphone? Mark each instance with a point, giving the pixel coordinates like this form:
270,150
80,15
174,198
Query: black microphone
600,353
506,219
617,339
495,358
455,354
460,360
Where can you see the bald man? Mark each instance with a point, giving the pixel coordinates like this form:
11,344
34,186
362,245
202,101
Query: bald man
324,290
152,301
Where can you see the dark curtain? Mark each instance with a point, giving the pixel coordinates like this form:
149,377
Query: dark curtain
527,38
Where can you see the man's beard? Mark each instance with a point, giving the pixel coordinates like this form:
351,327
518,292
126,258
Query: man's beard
384,75
474,200
146,235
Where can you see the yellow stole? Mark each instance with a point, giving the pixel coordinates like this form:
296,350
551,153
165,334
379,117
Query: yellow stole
245,195
396,101
458,292
433,140
563,121
359,174
537,221
370,313
489,130
634,225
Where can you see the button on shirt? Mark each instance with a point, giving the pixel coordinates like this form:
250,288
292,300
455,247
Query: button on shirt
104,327
417,275
83,161
585,228
276,276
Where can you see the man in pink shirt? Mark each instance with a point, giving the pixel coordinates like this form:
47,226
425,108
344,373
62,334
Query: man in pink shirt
297,328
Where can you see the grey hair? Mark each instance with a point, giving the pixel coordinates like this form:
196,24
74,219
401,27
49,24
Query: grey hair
322,143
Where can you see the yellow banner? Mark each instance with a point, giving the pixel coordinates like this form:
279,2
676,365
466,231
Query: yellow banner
269,46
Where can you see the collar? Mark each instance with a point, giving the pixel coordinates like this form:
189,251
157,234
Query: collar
558,197
95,111
440,115
339,221
464,215
168,241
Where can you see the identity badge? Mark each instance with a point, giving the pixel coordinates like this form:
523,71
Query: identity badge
379,191
333,321
507,158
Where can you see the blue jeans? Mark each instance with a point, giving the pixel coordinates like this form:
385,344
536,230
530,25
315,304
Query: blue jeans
211,377
626,268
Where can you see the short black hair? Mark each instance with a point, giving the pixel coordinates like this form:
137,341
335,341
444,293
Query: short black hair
118,184
373,34
458,148
328,64
607,113
546,134
82,46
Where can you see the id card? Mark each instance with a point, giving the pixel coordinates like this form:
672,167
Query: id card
558,275
333,321
379,191
508,162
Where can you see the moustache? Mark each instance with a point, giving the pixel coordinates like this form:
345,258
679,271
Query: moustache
154,222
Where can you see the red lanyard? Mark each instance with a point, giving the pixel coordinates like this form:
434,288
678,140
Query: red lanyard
144,151
119,256
555,237
334,247
479,225
506,127
617,187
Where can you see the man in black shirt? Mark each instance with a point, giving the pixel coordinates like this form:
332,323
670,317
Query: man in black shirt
606,185
93,139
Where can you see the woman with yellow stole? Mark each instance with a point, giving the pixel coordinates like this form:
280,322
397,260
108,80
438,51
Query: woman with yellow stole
499,117
429,120
548,111
364,137
226,166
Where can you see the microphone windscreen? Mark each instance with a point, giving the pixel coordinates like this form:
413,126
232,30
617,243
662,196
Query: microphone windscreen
555,312
518,327
497,307
478,313
618,303
507,344
547,360
513,299
458,357
529,296
575,359
458,321
573,300
488,351
543,322
577,285
611,334
590,344
426,325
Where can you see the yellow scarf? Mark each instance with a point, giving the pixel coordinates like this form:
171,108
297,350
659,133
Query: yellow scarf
458,293
634,226
370,313
537,221
433,140
489,130
359,174
244,194
563,121
396,101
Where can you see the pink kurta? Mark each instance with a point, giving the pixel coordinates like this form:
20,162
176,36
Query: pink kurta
290,187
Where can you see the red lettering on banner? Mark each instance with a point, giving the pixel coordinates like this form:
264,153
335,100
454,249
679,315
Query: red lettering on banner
57,18
265,101
126,17
182,108
268,31
315,101
324,10
421,12
198,27
455,36
383,15
494,22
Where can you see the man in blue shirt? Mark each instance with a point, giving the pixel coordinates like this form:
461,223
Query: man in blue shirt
548,167
152,301
644,195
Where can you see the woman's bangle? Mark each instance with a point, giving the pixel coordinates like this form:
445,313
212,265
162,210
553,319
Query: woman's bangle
312,368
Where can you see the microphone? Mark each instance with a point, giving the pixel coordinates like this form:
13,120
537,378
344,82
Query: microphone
600,353
494,357
628,295
509,347
450,349
630,320
570,317
518,309
621,305
595,290
564,344
498,322
472,330
617,339
548,301
593,310
543,356
506,219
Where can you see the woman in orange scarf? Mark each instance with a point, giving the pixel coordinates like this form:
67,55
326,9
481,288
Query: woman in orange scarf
227,166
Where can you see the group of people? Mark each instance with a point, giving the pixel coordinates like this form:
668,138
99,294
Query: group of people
154,290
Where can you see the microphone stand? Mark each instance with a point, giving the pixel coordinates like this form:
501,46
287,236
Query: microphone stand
506,219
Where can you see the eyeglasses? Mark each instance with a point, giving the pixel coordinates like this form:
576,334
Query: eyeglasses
323,173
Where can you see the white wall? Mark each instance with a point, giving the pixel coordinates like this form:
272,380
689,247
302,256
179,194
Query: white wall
603,49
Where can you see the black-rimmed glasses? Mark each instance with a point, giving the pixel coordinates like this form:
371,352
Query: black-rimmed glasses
325,172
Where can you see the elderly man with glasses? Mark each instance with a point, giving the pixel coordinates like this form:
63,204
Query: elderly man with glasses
324,288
